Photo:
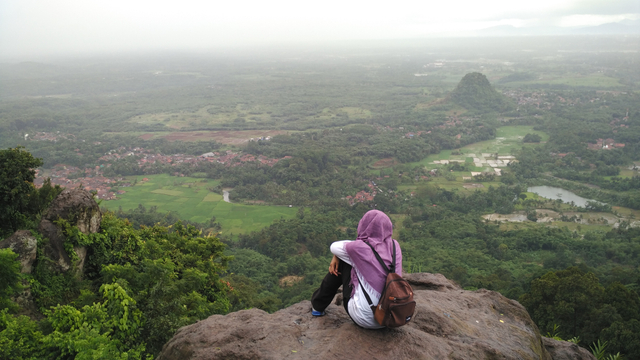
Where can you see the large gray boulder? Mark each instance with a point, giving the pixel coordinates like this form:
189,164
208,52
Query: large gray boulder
23,243
450,323
77,207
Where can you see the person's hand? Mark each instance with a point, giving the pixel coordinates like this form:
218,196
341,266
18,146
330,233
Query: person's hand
333,266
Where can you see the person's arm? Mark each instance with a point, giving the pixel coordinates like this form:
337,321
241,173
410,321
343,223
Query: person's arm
339,254
333,266
337,249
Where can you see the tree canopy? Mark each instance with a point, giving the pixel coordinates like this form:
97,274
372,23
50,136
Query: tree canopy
17,172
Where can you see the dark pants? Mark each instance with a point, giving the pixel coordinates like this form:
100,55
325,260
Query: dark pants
322,297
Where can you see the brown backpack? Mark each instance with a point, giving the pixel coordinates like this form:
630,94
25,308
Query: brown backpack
396,305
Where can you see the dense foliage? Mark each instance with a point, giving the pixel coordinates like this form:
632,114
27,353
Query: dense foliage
138,287
574,300
17,172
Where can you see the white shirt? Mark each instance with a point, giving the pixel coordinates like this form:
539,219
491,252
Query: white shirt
359,309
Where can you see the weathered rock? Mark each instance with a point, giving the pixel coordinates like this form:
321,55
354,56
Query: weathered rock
450,323
26,303
25,245
77,207
564,350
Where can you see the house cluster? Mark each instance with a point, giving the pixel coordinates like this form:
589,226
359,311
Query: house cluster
526,98
120,153
45,136
229,156
146,157
452,121
567,101
616,122
93,180
605,144
544,100
363,195
494,161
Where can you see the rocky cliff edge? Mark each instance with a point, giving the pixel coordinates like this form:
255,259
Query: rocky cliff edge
449,323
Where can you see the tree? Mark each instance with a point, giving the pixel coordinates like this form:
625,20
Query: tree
624,336
567,298
16,187
9,276
532,138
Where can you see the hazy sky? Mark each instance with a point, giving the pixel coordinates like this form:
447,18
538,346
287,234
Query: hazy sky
30,28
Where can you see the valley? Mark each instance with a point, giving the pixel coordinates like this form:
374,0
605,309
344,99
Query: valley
230,175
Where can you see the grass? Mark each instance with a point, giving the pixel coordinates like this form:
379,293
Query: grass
397,220
626,173
167,192
190,199
254,114
508,138
442,155
627,212
183,119
356,112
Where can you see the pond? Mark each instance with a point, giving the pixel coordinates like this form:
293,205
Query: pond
551,192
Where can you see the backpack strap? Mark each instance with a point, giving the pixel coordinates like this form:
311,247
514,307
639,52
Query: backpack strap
392,268
373,308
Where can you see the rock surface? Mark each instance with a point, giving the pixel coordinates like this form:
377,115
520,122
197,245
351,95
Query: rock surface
78,207
449,323
564,350
25,245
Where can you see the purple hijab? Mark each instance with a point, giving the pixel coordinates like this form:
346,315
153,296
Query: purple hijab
375,228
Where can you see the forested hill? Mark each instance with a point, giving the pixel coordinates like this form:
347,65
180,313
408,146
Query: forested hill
474,92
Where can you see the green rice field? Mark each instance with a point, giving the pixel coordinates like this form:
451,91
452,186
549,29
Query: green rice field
191,200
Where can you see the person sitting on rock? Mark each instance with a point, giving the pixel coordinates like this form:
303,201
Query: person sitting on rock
355,267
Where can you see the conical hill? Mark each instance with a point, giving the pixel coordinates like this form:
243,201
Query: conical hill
475,93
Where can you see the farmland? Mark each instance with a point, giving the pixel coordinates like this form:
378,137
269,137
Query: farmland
508,140
191,200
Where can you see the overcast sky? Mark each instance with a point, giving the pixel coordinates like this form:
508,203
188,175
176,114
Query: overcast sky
31,28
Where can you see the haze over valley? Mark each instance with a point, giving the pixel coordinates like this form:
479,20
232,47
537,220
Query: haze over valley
226,153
